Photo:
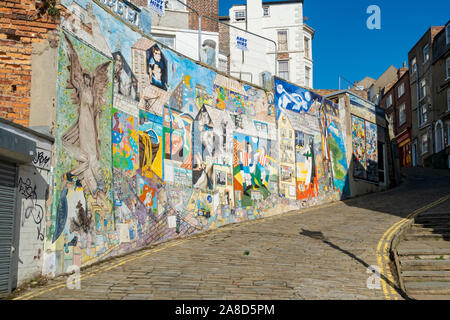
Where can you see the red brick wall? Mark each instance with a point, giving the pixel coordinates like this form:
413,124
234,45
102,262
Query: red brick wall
205,8
19,28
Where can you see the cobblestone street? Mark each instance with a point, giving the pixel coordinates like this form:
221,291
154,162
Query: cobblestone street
321,253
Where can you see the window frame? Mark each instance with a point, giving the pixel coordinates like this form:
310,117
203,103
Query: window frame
422,142
279,69
402,85
307,40
427,56
423,88
389,99
244,16
448,99
447,33
278,40
400,122
447,68
264,11
414,65
308,71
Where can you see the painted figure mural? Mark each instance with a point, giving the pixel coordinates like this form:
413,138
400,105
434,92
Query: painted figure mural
152,146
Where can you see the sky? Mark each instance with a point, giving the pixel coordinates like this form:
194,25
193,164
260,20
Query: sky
344,46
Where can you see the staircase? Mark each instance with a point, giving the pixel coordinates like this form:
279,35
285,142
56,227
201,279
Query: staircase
424,257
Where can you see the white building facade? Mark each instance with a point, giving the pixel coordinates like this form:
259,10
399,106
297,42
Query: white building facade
281,22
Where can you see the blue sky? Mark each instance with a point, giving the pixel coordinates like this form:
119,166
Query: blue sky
344,46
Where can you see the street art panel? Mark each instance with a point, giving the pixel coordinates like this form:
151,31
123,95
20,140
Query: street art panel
359,148
82,218
152,146
365,149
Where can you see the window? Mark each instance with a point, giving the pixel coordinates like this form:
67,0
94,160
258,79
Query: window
307,48
266,11
402,115
389,101
401,90
240,15
282,41
424,143
308,76
447,63
423,90
423,116
283,69
413,65
448,133
448,99
426,53
439,136
447,31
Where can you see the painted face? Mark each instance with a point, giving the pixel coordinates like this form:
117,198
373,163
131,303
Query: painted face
156,72
157,55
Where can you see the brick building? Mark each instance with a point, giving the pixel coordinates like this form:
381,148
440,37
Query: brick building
22,30
396,100
421,82
208,8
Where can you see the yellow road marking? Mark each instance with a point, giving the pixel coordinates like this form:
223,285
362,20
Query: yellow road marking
383,255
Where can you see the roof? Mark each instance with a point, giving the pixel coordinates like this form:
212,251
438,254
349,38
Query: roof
143,44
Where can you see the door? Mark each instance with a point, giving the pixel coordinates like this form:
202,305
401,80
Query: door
414,154
7,209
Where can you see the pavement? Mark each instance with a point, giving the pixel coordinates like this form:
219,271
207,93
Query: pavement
322,253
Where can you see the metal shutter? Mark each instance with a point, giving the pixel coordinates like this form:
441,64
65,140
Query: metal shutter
7,203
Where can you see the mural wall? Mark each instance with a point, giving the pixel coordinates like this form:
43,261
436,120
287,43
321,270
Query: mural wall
151,146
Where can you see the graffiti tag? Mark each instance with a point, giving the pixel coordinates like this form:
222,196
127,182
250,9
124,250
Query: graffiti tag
32,208
42,159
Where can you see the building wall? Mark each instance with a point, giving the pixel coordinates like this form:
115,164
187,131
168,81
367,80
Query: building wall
195,150
424,73
260,57
33,183
208,8
19,32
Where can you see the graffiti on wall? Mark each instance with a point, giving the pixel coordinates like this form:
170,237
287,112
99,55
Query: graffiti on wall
151,146
365,149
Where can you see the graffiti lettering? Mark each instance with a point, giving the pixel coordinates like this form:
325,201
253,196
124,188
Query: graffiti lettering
42,159
32,208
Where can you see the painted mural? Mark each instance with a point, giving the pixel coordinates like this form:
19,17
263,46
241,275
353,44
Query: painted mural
365,149
313,165
152,146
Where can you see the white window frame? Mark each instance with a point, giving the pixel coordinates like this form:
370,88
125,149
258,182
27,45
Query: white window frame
389,101
308,80
438,138
413,65
423,150
420,115
400,118
308,49
447,33
422,89
242,15
448,99
264,11
401,92
279,69
426,56
447,67
287,40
